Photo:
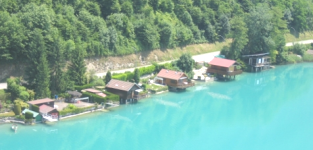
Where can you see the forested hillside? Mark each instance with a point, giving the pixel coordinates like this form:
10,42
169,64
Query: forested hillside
47,33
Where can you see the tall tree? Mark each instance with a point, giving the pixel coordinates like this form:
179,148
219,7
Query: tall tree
77,68
239,36
42,77
108,77
185,62
136,75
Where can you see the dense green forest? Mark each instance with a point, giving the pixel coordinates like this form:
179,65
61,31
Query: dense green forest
53,36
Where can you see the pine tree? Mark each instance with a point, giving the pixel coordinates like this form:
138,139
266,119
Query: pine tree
108,77
77,68
42,78
137,76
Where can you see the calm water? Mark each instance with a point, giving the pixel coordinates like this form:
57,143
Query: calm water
272,110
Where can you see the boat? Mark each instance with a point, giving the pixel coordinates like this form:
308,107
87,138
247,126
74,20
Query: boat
14,127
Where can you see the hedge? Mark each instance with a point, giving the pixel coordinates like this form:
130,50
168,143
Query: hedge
29,115
147,70
74,111
86,86
127,76
99,99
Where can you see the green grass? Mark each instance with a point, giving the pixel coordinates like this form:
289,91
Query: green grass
308,57
302,36
156,88
9,114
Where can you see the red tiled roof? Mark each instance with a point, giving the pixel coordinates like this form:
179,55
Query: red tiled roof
92,91
45,109
120,85
170,74
41,101
101,94
221,62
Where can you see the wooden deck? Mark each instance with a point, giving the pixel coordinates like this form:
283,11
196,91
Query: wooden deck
221,72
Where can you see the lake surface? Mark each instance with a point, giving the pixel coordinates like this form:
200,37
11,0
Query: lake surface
272,110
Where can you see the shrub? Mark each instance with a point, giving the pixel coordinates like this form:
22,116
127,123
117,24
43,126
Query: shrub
35,108
17,109
29,115
98,82
293,58
307,57
242,64
147,70
24,95
299,49
94,97
74,110
22,117
86,86
122,77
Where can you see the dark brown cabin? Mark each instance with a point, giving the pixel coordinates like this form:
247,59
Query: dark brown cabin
224,68
126,90
175,80
258,62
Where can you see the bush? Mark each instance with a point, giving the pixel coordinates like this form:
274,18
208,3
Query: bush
293,58
86,86
22,117
98,82
122,77
147,70
17,109
35,108
299,49
29,115
24,95
242,64
307,57
74,110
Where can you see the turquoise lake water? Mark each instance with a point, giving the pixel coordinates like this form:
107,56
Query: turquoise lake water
272,110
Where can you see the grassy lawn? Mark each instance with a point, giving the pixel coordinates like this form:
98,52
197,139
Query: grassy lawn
156,88
303,36
9,114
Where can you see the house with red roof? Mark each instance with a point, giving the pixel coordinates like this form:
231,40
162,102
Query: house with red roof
174,79
223,68
126,90
46,109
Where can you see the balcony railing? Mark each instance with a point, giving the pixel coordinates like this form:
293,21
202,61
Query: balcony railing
223,72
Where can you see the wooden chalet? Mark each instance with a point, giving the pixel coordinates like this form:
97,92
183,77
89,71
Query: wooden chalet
223,68
46,109
173,79
258,62
126,90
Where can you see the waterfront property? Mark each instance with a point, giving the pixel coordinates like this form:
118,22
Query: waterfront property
258,62
36,116
46,109
126,90
223,68
39,102
173,79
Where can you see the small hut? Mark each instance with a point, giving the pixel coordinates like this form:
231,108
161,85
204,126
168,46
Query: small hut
126,90
258,62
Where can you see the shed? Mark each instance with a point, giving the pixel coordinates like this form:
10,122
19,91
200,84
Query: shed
126,90
257,62
36,115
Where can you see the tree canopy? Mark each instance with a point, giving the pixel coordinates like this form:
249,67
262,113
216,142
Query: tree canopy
70,30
